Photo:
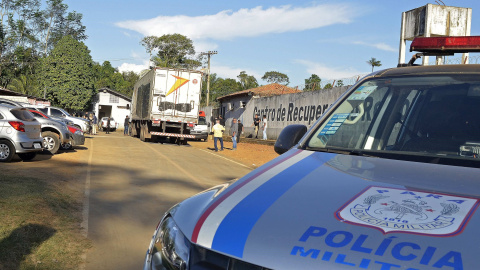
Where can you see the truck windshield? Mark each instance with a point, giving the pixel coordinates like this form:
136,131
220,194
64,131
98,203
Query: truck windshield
419,115
202,120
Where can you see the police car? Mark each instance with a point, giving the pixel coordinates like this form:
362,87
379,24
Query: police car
388,178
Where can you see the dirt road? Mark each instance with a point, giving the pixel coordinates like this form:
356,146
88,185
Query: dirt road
130,184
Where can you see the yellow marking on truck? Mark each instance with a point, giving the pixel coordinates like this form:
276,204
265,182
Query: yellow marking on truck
178,83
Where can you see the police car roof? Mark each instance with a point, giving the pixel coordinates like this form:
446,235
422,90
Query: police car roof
430,69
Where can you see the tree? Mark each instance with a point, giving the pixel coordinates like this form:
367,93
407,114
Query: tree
328,86
247,81
29,29
340,83
276,77
223,87
173,50
67,74
312,83
105,75
374,63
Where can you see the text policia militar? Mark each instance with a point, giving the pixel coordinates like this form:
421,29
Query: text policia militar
293,113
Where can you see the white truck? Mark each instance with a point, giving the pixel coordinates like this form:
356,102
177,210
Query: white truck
165,103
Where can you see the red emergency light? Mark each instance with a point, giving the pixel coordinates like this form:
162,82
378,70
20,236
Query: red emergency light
446,45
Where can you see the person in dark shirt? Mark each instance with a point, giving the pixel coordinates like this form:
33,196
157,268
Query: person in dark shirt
256,123
125,125
240,130
108,126
222,121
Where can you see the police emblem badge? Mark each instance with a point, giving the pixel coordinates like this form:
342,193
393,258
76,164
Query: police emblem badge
399,210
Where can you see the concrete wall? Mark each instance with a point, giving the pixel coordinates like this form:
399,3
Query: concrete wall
119,110
299,108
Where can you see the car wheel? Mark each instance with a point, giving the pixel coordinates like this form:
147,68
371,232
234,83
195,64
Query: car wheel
66,146
51,142
27,156
7,151
77,126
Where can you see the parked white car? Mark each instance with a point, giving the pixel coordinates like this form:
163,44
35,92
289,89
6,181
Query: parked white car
113,124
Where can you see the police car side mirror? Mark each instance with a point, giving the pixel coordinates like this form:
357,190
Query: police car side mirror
289,137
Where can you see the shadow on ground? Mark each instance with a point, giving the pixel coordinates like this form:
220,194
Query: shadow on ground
21,242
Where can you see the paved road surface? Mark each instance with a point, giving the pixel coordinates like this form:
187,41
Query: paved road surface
132,184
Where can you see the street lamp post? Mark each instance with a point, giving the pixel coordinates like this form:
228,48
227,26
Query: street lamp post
209,53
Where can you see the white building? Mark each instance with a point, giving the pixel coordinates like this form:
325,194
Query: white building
113,104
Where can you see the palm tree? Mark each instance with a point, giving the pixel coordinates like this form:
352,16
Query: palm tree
374,63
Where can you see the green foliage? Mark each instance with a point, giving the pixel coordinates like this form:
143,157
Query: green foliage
247,81
218,87
174,50
328,86
374,63
340,83
67,75
276,77
107,76
29,29
312,83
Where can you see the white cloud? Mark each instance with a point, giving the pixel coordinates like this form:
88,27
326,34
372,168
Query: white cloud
257,21
380,46
327,72
137,68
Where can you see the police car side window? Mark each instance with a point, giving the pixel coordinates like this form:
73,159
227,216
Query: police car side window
44,110
1,116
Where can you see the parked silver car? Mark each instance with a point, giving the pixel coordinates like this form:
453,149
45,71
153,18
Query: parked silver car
54,133
19,133
61,113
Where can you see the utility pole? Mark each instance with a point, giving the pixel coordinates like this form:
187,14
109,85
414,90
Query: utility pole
209,53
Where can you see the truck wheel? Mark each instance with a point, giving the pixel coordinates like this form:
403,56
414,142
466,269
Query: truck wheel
142,133
7,151
51,142
27,156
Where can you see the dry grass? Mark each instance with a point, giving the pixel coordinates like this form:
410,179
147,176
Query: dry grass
39,226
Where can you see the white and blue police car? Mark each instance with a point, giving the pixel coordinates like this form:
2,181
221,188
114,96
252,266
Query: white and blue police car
387,179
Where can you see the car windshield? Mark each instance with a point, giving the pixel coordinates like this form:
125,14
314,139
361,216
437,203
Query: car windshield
419,115
64,112
202,120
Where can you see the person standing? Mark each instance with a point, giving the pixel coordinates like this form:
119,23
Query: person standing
108,126
240,130
218,134
126,123
264,126
222,121
234,133
256,123
94,124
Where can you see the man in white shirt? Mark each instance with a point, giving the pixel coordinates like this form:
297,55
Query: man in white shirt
264,126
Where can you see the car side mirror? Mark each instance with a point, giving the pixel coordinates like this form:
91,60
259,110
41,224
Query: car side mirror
289,137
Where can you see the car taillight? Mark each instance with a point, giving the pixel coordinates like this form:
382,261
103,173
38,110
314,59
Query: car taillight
17,125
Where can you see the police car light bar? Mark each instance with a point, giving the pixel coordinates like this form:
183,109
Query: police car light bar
446,45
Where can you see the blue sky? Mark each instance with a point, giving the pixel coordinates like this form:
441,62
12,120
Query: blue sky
332,39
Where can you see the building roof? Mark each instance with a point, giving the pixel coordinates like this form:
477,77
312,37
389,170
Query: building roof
129,99
274,89
6,92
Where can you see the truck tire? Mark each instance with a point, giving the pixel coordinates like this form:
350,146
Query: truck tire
142,134
51,142
7,151
27,156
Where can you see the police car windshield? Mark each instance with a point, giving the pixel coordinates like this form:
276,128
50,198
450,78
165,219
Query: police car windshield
202,120
420,115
